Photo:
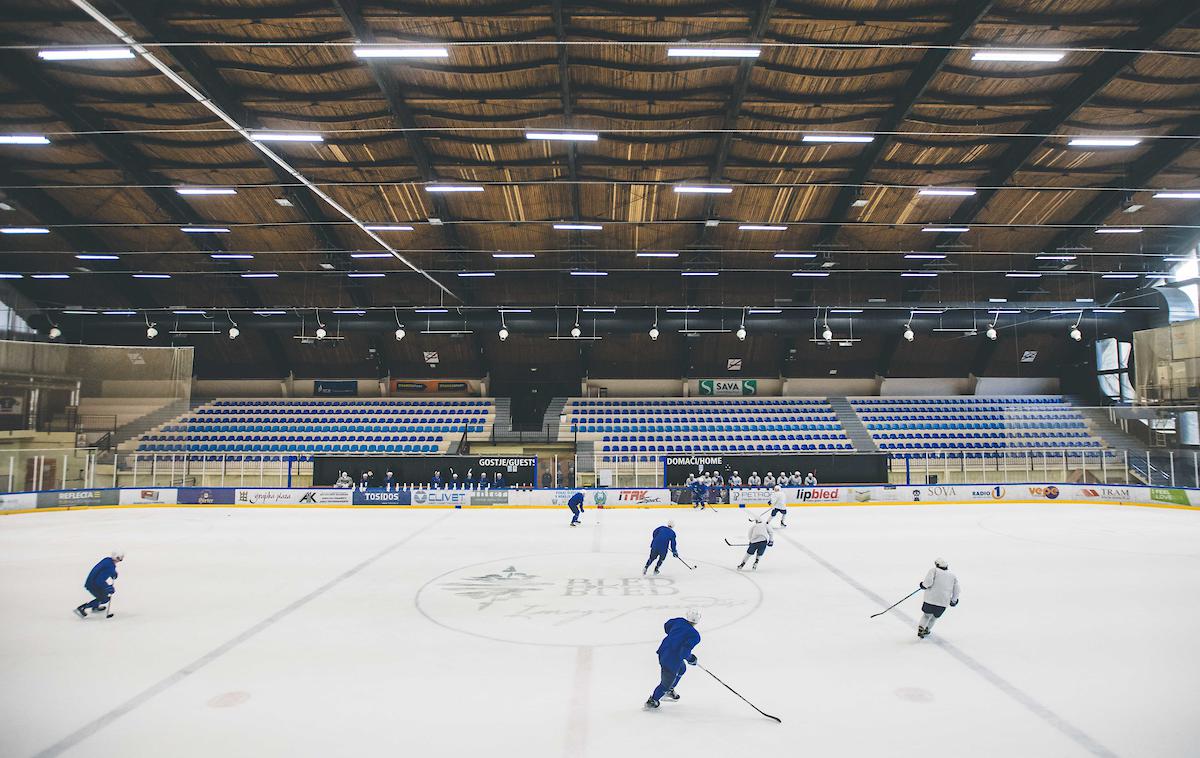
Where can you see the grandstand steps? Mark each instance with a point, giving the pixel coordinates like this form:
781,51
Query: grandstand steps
1116,438
153,420
853,425
553,417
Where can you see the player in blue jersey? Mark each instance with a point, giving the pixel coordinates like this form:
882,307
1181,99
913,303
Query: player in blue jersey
99,582
576,506
661,541
673,651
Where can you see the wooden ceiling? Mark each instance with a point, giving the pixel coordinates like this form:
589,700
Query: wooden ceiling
124,136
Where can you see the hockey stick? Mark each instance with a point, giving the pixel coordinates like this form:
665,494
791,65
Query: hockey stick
747,702
898,602
109,613
736,544
693,568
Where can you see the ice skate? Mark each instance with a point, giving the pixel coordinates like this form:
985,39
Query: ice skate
81,611
922,632
645,570
656,572
754,567
741,566
670,695
651,703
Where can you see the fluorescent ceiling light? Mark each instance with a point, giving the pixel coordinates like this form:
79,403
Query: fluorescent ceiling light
683,310
231,256
120,313
811,273
1023,275
11,276
25,230
859,203
579,227
260,275
1054,257
453,188
97,257
468,274
838,138
1176,195
1019,56
430,310
927,274
513,255
563,136
947,191
927,312
86,54
762,227
269,313
997,299
387,228
1103,141
589,273
795,255
23,139
1065,311
79,313
516,310
370,255
1178,258
206,190
713,52
351,312
286,137
701,189
1085,300
188,313
599,310
204,229
366,275
764,311
151,276
946,229
51,276
1118,276
1119,230
846,310
1108,310
925,256
658,255
406,51
699,273
1002,311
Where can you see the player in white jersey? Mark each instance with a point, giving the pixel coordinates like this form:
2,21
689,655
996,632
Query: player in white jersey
941,590
768,480
778,506
754,480
760,538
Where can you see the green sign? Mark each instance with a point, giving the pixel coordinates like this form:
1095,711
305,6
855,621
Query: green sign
728,386
1175,497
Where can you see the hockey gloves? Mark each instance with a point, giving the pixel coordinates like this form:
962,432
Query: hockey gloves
693,660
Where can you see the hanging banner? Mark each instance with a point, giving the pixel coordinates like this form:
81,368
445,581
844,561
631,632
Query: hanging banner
432,386
728,386
335,387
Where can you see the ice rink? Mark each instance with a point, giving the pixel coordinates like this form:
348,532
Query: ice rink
289,632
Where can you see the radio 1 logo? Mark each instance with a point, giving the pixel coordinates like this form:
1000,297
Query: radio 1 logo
993,493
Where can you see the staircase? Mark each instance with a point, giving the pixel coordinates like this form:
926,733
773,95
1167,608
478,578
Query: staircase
1116,438
134,429
554,413
855,430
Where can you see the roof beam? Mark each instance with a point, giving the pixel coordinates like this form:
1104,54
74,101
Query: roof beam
564,80
1160,22
741,85
966,16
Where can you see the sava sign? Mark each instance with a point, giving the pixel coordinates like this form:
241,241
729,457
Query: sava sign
728,386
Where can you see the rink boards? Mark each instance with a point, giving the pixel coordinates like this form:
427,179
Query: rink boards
593,498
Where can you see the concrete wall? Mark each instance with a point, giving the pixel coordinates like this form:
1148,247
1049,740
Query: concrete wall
1013,385
811,387
927,386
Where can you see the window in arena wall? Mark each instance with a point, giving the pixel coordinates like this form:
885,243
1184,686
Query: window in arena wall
1112,369
11,323
1188,270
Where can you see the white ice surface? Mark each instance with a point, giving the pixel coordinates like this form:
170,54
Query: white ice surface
370,632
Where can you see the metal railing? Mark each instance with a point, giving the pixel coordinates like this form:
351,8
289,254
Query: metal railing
61,468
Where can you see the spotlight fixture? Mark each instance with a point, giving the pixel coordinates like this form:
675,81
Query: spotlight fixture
503,333
576,331
399,334
827,333
151,332
399,327
741,333
234,332
1075,333
54,333
654,329
991,333
321,333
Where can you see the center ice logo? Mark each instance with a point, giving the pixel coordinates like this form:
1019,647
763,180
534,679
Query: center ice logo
590,599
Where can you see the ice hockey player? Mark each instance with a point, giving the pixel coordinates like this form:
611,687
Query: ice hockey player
673,651
699,488
778,507
389,481
768,480
941,589
811,479
499,481
754,480
576,506
760,538
435,481
99,582
662,540
735,479
344,482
